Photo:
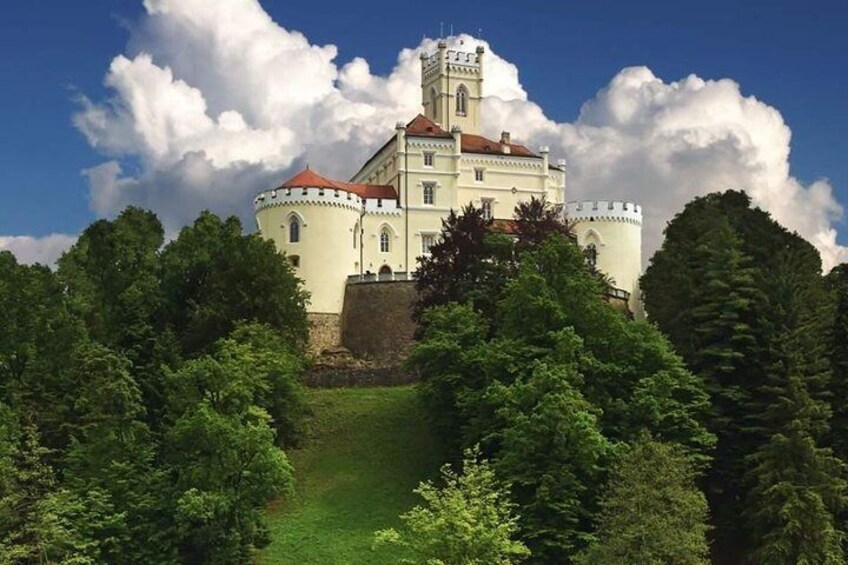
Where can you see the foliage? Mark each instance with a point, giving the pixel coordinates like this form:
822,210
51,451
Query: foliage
222,450
213,277
468,521
104,445
743,300
837,351
652,512
555,370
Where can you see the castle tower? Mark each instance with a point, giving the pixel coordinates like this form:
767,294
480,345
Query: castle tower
452,87
611,231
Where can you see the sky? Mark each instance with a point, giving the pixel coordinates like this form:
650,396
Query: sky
184,105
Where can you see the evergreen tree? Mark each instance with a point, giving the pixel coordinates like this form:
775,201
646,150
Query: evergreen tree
837,283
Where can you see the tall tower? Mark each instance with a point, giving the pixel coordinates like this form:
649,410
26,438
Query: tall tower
452,87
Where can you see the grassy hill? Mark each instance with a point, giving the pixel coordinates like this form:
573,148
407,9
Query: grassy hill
368,449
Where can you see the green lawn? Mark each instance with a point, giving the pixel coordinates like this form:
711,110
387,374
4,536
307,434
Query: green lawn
368,449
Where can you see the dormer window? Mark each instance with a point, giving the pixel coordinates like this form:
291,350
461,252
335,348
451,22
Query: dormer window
428,158
461,101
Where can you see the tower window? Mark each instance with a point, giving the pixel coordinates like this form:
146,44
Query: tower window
478,175
461,101
428,159
592,255
384,241
294,230
429,192
486,205
355,233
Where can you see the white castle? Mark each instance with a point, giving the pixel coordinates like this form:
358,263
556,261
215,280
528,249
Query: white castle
376,225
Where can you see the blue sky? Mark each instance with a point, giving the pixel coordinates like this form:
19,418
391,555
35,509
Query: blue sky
791,55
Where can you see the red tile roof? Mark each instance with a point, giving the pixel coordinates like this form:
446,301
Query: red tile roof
309,178
422,126
478,144
509,227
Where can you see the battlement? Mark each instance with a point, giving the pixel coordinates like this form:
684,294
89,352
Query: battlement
604,210
323,196
452,57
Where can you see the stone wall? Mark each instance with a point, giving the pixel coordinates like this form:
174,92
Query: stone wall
377,319
324,332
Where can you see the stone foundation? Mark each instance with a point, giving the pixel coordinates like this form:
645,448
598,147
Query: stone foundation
324,332
377,319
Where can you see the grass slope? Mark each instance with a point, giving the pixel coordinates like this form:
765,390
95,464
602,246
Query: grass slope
369,448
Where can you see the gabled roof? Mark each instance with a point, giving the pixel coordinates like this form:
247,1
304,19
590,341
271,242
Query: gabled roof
309,178
422,126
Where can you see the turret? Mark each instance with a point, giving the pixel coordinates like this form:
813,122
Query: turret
612,231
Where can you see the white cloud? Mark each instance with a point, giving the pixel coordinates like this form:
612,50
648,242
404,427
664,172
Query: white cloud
215,101
45,250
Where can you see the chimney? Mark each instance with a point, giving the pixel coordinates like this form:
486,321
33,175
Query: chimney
505,148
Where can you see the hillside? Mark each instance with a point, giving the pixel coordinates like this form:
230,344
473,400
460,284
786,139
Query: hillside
368,448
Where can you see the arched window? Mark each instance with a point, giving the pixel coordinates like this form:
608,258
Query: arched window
592,255
384,240
294,230
433,103
461,100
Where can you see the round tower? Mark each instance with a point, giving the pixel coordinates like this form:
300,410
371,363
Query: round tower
316,223
611,231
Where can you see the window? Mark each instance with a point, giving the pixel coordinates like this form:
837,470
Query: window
592,255
461,100
433,103
487,208
384,241
428,159
428,240
294,230
478,175
355,233
429,192
294,260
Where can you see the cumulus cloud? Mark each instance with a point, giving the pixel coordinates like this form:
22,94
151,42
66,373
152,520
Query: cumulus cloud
30,250
213,101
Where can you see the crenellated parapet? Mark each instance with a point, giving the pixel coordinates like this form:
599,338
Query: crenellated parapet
604,210
308,195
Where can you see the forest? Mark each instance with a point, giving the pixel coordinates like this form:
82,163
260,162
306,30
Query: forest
151,391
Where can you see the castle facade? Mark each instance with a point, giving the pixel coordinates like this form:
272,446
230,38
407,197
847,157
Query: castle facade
374,226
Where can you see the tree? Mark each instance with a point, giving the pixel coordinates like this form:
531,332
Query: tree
536,220
213,277
798,489
468,521
739,296
837,349
465,265
652,511
221,449
553,453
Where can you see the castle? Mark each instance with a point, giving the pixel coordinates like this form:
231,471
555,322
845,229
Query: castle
373,227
